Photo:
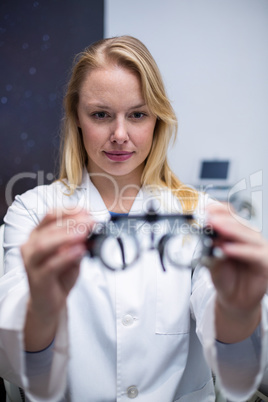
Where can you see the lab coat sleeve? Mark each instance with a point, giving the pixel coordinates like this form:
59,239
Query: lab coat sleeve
47,385
238,367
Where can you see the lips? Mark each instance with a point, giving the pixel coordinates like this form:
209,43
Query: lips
118,156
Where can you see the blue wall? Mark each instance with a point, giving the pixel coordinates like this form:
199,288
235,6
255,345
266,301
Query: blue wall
38,41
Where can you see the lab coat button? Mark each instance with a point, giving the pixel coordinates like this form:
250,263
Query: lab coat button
127,320
132,392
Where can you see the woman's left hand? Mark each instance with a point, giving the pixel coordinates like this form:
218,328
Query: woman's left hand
241,277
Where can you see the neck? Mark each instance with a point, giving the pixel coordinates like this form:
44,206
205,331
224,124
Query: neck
117,192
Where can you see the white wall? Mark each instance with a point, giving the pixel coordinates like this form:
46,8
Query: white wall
213,55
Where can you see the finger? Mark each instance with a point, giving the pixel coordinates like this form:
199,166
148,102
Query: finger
49,218
224,209
46,248
59,216
48,241
223,277
75,225
69,257
257,256
217,207
236,229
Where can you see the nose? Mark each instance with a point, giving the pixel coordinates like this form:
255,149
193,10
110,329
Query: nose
119,131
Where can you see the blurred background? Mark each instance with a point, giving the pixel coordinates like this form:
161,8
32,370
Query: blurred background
213,55
38,42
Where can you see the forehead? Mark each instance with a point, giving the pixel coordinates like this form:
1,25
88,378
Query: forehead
111,79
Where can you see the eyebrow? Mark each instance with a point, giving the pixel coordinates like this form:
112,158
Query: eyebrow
139,105
103,106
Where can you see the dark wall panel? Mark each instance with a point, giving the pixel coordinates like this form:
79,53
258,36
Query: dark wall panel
38,41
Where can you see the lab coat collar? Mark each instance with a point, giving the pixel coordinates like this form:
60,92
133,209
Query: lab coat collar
146,197
85,179
96,203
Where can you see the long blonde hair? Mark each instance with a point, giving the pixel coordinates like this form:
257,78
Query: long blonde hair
132,54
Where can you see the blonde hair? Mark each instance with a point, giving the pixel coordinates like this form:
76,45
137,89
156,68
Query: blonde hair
131,54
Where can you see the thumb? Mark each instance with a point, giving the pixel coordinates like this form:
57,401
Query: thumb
224,278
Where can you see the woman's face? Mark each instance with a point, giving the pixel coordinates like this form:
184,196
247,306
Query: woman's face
117,126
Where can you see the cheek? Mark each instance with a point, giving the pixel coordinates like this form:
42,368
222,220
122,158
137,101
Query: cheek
147,137
93,136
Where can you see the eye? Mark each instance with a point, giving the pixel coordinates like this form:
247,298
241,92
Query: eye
137,115
100,115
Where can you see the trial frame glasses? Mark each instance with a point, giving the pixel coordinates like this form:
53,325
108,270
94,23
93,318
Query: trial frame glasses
182,242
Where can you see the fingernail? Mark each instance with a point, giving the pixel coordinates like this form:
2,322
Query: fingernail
77,251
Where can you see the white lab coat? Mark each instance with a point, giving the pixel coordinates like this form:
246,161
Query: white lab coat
123,334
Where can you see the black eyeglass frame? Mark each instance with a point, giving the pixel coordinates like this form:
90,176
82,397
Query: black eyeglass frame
96,239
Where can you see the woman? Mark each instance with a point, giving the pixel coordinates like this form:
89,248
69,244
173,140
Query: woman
141,332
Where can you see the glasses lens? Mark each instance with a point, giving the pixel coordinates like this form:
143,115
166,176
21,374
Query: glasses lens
183,249
117,253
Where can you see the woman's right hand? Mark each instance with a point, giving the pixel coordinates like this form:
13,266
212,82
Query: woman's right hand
52,256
